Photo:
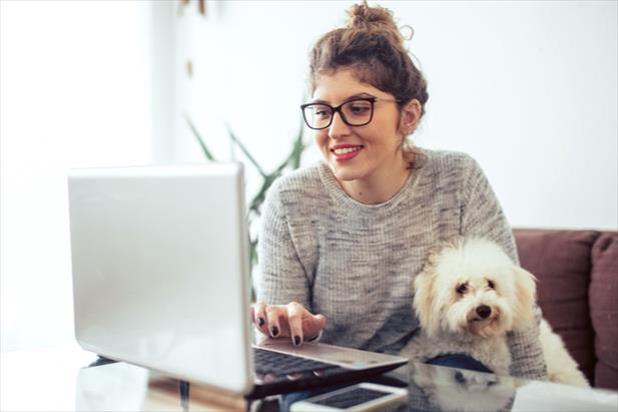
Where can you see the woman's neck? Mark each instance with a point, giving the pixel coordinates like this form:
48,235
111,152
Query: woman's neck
381,185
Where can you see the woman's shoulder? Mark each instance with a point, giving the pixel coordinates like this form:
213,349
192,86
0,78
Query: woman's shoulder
449,163
303,181
448,159
450,171
298,179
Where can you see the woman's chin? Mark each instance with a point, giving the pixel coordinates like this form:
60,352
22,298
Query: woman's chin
345,174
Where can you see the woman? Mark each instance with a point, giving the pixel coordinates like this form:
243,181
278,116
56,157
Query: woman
341,241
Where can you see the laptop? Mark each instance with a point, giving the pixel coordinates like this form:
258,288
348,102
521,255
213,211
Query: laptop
161,279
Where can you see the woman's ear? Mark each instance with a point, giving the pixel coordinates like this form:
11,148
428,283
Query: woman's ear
409,117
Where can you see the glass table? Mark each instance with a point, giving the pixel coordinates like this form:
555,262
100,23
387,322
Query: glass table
68,378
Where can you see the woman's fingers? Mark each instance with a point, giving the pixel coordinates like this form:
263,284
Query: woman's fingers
313,324
259,317
295,312
318,321
292,320
273,315
260,314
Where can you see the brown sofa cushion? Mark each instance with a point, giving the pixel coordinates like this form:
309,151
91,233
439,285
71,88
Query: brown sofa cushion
604,309
560,259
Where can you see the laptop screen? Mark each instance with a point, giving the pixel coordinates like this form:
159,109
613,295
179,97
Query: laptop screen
160,269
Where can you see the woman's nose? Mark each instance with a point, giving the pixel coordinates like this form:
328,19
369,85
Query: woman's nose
337,127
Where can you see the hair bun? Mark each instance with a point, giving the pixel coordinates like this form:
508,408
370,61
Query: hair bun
373,19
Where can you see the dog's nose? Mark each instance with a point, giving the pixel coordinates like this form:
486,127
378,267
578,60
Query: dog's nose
483,311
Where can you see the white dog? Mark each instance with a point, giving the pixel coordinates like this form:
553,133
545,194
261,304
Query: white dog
468,296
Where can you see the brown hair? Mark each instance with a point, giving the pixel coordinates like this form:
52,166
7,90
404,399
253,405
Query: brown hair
372,46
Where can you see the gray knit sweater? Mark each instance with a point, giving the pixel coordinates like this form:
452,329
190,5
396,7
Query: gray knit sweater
355,263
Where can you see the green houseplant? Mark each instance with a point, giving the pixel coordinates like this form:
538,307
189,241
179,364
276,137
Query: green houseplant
254,210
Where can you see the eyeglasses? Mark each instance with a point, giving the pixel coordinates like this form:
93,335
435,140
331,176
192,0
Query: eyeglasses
355,112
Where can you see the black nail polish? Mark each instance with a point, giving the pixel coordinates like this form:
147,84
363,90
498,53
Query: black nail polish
274,330
260,321
296,340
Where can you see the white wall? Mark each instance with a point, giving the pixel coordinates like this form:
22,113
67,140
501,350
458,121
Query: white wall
76,91
528,88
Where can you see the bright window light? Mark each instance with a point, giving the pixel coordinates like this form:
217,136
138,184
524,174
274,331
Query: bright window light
75,92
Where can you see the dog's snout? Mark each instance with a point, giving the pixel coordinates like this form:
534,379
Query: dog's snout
483,311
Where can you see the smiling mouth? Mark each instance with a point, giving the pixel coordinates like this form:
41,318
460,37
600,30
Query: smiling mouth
346,150
346,153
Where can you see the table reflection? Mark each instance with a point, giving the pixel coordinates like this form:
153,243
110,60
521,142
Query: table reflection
120,386
434,388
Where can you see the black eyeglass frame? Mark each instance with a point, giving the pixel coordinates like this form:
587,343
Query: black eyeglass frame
337,109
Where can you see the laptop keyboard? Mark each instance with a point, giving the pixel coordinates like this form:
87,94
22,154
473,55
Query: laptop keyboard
276,363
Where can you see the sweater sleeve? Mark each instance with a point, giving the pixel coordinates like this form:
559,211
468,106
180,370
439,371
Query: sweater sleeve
482,216
281,278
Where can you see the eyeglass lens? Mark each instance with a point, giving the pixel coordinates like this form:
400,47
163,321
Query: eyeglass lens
353,113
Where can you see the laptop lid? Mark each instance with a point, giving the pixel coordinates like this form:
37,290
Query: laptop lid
160,269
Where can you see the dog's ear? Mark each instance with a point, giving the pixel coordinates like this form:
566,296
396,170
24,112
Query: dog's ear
424,295
525,297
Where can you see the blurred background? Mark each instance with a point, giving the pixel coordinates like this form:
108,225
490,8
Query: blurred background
528,88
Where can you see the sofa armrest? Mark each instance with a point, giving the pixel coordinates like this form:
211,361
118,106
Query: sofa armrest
603,295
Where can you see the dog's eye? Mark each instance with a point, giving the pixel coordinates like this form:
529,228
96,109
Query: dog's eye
491,285
461,289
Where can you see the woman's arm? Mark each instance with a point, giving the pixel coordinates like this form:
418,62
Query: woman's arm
281,277
283,289
482,216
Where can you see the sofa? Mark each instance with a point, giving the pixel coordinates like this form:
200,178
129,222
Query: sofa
577,272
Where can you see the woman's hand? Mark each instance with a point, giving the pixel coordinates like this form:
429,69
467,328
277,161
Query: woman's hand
291,320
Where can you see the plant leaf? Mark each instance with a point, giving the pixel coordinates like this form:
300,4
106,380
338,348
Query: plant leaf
298,147
199,139
244,150
292,160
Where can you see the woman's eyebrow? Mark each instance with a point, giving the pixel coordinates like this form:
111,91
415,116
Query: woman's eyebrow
359,96
347,99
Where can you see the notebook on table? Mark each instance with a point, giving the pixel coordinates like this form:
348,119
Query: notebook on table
161,279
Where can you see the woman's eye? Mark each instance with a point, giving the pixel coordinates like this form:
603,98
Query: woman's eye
359,109
490,284
321,113
461,289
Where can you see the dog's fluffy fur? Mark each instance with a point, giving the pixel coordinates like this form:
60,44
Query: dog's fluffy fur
469,295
